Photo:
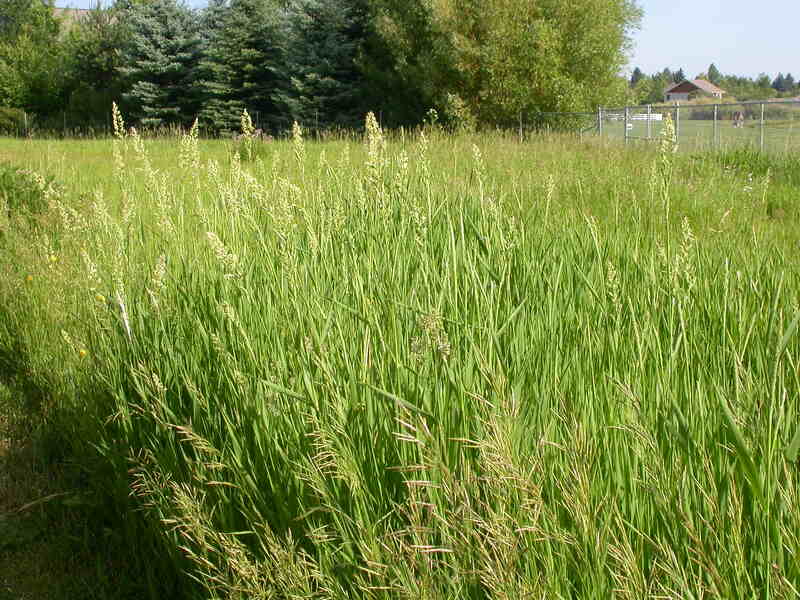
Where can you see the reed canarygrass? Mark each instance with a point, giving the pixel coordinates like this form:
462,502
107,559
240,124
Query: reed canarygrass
425,367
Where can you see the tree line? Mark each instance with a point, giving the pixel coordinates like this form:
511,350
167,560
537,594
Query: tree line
649,89
324,63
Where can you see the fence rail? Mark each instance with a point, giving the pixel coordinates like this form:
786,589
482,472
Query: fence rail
769,125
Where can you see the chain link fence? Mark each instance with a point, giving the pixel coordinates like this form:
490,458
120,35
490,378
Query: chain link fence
771,126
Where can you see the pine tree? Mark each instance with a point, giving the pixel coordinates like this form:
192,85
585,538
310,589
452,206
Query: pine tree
789,83
244,64
636,76
160,62
327,85
679,76
714,76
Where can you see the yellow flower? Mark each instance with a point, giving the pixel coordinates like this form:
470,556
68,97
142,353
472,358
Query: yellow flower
53,258
29,278
100,298
82,353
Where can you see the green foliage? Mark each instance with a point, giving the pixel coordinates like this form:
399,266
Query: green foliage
326,40
504,57
159,62
327,62
784,84
31,70
12,85
12,121
714,76
28,18
636,76
457,115
23,192
243,65
650,89
92,52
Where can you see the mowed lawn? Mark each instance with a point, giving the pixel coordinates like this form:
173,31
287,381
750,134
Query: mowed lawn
415,365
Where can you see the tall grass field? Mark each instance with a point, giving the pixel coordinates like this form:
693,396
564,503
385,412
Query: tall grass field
416,365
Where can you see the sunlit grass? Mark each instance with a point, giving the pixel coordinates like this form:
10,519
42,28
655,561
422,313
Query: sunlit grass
421,367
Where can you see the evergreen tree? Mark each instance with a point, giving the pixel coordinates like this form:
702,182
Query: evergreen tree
328,88
244,64
678,76
777,83
764,81
636,77
789,83
714,76
160,60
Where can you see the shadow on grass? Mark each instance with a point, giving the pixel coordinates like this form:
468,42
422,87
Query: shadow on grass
57,541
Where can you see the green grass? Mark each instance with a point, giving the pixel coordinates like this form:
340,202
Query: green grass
780,136
454,367
53,546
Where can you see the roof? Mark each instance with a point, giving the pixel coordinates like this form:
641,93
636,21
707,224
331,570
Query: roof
700,84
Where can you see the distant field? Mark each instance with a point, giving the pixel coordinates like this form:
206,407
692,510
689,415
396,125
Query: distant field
417,367
779,135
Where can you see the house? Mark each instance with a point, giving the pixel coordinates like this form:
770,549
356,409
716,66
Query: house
70,16
687,90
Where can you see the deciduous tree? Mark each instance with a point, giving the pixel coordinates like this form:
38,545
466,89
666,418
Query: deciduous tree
31,74
504,57
93,61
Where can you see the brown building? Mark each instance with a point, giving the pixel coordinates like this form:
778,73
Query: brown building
70,16
688,90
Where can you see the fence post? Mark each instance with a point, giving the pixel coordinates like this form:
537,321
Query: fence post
25,120
627,115
677,122
600,121
715,144
649,121
762,127
520,126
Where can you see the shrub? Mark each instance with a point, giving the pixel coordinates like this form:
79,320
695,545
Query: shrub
12,121
23,191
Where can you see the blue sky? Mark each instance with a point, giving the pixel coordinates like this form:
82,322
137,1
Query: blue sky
742,37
